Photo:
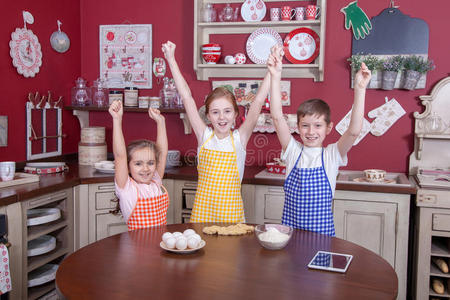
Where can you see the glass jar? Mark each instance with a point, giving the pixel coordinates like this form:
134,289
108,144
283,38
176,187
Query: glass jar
208,13
131,96
99,93
115,95
226,15
81,95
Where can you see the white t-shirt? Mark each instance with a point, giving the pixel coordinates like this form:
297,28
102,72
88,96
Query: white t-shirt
312,158
225,145
128,195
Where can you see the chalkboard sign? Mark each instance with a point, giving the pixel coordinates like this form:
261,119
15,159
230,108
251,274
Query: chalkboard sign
394,33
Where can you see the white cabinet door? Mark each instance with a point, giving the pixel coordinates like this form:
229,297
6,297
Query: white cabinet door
368,224
269,202
108,224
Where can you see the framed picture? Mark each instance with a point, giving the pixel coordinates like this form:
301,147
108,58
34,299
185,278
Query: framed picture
3,131
126,55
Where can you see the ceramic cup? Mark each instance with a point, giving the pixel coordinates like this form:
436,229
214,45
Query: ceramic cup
240,58
230,60
287,13
375,175
275,14
312,12
7,170
300,13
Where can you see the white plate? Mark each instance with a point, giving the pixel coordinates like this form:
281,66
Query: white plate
42,215
253,10
42,275
41,245
187,250
260,42
48,164
104,170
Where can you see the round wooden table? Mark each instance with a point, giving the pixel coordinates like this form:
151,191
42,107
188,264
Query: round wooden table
132,265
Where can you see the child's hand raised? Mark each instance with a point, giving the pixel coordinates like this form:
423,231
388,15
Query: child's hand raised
274,62
362,77
116,109
155,114
168,49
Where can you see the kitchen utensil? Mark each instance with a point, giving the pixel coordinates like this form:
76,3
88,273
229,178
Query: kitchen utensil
208,13
375,175
226,15
273,236
312,12
287,13
39,216
240,58
260,42
7,170
42,275
301,45
41,245
253,10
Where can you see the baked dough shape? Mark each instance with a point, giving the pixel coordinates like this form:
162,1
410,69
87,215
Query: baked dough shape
237,229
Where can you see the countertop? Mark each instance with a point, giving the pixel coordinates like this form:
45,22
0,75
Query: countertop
78,174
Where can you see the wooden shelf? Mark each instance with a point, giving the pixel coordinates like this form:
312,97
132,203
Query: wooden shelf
35,262
37,231
40,290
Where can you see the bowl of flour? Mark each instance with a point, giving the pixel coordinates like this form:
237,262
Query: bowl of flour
273,236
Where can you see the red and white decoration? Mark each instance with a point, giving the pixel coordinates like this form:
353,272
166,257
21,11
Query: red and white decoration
240,58
5,276
301,45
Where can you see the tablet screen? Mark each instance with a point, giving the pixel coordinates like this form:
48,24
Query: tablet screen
329,261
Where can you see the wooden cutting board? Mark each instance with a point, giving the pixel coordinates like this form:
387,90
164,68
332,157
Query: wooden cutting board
19,178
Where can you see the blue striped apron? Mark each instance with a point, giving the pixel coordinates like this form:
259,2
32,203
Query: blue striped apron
308,199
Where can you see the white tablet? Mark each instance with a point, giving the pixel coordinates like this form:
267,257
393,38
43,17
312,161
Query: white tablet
330,261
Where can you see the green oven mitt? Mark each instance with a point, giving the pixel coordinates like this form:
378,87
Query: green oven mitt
357,19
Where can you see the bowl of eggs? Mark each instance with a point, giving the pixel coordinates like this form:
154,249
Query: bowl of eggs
187,241
273,236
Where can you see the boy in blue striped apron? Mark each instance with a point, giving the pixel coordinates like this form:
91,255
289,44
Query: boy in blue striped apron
311,168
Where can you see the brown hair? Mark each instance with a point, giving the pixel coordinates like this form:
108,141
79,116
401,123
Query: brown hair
133,146
220,92
314,107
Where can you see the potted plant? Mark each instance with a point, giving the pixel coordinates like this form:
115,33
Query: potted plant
414,67
372,63
390,67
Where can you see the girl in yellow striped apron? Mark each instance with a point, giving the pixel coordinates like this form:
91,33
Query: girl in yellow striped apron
221,151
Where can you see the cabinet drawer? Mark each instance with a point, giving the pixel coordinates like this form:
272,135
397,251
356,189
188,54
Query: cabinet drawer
273,208
441,222
105,200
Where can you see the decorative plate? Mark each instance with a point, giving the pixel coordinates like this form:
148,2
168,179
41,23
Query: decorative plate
185,251
25,51
39,216
260,42
253,10
301,46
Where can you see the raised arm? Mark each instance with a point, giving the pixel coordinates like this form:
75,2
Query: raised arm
161,139
119,148
274,65
360,83
183,89
246,129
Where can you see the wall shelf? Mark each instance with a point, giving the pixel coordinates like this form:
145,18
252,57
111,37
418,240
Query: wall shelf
202,32
82,113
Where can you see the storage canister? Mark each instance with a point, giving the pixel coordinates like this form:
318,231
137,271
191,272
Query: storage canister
115,95
155,102
143,101
89,154
131,96
92,135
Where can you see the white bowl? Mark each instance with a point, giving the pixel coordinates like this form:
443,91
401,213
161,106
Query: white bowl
375,175
273,240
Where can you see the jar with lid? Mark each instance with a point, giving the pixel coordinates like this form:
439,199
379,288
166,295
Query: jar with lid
208,13
99,93
115,95
81,95
131,96
227,14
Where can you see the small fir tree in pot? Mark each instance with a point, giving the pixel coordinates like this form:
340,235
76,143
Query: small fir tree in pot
414,67
390,66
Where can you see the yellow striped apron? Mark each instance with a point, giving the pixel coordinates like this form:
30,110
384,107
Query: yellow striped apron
218,197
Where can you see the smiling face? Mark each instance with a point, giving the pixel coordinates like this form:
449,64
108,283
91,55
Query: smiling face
142,164
221,114
313,129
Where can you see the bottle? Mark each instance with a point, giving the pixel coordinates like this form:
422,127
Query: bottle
81,95
175,97
166,94
208,13
99,93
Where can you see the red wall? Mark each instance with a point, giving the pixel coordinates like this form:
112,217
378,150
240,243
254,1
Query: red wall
57,73
174,20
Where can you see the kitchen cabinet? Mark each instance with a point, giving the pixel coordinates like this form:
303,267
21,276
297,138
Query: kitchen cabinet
93,218
61,229
203,30
376,221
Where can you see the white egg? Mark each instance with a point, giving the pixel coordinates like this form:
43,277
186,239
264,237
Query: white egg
170,242
196,236
181,244
176,234
188,232
181,237
165,236
192,242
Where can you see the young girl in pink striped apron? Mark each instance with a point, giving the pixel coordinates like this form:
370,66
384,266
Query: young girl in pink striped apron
311,168
221,150
143,200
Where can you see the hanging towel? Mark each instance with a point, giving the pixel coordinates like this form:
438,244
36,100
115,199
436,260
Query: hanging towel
5,276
